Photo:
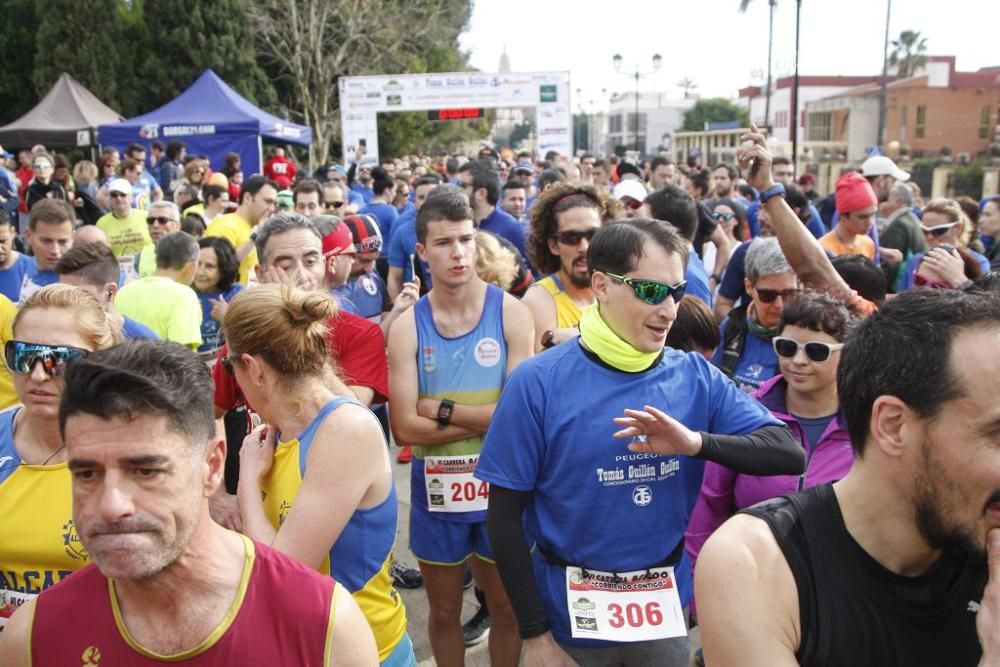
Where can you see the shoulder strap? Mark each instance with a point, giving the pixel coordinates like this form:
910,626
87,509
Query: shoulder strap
734,338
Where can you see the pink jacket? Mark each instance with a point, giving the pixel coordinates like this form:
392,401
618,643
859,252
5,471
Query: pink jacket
724,492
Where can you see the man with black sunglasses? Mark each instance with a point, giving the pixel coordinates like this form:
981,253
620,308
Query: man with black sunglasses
563,222
163,218
606,583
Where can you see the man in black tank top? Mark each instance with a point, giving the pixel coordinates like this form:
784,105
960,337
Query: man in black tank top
889,565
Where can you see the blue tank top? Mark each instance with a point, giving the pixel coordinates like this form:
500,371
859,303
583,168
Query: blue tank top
469,369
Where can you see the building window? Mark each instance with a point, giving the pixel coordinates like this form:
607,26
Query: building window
920,131
637,119
984,122
820,126
615,124
902,123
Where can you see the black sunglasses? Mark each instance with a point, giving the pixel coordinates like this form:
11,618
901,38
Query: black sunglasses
817,351
158,219
334,204
938,231
651,291
770,295
574,236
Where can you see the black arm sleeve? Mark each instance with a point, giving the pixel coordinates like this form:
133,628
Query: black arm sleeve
513,557
770,450
351,173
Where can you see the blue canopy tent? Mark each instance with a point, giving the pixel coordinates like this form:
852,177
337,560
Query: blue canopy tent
211,119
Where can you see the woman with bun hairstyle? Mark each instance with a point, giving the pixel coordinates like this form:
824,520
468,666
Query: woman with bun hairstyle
320,461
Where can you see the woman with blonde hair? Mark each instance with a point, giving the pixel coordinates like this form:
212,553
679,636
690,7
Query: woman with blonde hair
495,264
39,544
315,481
85,174
944,225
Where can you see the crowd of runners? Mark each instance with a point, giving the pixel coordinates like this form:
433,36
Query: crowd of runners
634,398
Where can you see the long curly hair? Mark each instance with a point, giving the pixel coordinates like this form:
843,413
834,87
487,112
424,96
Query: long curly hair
558,198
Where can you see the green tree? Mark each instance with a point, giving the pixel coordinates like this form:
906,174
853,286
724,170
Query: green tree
713,110
521,132
82,38
190,36
313,42
18,25
909,53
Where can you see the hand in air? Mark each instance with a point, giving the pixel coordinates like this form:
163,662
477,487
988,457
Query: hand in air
755,160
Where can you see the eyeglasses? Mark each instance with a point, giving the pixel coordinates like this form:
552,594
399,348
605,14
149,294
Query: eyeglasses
939,230
724,217
574,236
116,195
21,357
334,204
652,291
157,219
817,351
769,295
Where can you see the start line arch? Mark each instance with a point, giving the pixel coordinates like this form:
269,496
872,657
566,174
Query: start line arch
453,96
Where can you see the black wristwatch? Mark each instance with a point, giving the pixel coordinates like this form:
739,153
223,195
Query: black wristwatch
547,339
444,412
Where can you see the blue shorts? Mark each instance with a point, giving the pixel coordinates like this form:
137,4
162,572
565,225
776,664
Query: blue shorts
402,655
438,542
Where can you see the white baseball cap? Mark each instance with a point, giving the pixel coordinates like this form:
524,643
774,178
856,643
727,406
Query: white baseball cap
880,165
120,185
630,187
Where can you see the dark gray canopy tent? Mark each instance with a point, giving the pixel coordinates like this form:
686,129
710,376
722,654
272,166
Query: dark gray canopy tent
67,117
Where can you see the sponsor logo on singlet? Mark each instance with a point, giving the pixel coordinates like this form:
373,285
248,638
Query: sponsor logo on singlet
642,495
91,657
487,352
368,285
71,541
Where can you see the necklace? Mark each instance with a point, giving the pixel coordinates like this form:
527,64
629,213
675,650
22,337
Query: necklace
52,455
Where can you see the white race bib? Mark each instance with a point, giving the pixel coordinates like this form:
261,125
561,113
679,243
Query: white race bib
634,607
451,486
10,601
126,264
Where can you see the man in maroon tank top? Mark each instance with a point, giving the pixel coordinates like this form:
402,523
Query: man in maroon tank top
168,584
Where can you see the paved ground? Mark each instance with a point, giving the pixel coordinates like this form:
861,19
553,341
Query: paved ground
416,600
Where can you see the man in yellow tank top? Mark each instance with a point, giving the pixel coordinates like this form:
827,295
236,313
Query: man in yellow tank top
563,221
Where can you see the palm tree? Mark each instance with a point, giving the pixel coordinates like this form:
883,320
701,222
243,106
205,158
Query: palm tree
687,85
908,53
770,42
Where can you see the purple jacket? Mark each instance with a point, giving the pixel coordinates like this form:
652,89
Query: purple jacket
723,492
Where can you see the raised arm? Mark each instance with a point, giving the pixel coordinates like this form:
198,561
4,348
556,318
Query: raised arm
801,249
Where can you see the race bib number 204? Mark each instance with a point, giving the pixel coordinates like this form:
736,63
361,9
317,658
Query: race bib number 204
627,607
451,486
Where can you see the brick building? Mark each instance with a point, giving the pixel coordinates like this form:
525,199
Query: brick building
937,108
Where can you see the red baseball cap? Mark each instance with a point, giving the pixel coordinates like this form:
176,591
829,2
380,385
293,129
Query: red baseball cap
339,241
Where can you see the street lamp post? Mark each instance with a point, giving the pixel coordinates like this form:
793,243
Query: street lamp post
617,62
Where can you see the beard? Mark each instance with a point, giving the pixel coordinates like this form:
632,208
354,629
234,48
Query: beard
934,516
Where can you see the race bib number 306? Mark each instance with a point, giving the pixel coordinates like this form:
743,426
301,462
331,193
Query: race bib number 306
630,607
451,486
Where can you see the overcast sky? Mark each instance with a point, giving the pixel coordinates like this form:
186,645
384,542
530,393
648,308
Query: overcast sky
712,43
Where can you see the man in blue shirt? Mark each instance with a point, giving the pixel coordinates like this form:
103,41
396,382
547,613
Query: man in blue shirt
13,265
380,205
481,183
359,178
403,245
50,235
604,514
145,189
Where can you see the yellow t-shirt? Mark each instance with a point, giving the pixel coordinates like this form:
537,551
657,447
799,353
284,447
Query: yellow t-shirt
862,246
170,309
237,230
125,235
7,313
